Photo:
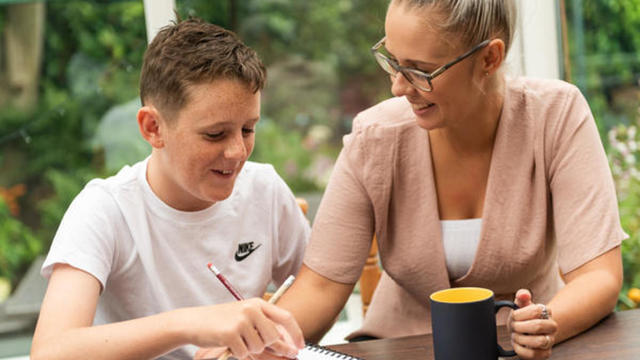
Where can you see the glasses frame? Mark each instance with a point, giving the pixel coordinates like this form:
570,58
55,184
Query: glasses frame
428,76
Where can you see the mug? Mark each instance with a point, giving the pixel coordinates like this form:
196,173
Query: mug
464,324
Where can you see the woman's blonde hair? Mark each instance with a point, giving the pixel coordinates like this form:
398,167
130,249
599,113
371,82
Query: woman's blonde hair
473,20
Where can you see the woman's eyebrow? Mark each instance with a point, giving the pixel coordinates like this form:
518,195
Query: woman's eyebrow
412,61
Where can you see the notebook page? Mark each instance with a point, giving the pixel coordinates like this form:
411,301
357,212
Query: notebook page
316,352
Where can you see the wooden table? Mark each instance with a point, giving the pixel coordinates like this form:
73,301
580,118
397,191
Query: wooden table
615,337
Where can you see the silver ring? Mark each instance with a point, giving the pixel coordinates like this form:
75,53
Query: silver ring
547,344
545,313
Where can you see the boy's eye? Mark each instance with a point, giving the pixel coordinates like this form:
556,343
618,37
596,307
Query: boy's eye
248,130
214,135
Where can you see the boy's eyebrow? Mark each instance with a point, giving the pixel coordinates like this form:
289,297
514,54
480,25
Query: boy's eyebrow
225,123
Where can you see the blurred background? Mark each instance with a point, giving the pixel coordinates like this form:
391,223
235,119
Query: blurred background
69,94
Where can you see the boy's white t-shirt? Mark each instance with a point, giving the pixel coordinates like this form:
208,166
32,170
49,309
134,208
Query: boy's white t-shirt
150,258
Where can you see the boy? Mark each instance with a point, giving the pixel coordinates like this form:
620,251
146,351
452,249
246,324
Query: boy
127,267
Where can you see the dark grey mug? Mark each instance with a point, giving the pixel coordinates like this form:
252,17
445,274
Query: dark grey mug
464,324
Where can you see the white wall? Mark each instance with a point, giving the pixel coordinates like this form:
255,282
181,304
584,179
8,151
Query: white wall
158,13
536,50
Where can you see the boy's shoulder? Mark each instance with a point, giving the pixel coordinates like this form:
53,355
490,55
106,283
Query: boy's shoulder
99,193
126,179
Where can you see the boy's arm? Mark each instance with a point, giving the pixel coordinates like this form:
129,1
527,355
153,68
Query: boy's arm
64,328
65,331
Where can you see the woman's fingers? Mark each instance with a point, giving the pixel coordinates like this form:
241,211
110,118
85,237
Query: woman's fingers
542,342
533,311
531,353
534,327
523,298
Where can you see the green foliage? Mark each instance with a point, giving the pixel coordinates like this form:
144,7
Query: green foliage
66,185
624,157
320,74
606,66
18,246
607,62
310,84
323,45
93,52
284,151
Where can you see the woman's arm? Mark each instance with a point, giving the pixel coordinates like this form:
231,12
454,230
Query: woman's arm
65,331
590,294
315,302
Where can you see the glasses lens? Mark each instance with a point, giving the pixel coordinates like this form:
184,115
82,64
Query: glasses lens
418,80
385,63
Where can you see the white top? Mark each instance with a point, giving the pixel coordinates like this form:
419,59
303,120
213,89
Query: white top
150,258
460,239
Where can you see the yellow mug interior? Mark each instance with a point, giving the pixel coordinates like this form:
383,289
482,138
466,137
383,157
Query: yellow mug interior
461,295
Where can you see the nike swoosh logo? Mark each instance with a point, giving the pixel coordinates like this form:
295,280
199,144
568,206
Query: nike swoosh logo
239,256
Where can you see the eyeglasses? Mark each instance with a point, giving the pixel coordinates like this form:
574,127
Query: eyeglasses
419,79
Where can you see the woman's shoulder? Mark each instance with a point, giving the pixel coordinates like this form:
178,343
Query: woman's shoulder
388,114
542,92
551,105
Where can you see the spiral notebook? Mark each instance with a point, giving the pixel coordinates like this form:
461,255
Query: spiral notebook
317,352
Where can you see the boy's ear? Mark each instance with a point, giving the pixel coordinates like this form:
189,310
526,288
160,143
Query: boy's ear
151,127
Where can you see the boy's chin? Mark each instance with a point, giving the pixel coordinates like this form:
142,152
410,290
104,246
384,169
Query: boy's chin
220,195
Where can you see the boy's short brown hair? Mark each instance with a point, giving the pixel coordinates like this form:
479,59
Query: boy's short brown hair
193,52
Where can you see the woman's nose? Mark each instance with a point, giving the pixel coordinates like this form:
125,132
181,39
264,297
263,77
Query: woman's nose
400,86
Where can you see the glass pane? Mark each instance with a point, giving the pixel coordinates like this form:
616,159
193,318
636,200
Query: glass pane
604,62
69,94
68,97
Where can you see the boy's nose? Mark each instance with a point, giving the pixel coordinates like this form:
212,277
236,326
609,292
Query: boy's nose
236,149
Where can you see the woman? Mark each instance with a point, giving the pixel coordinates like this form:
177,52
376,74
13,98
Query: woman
467,178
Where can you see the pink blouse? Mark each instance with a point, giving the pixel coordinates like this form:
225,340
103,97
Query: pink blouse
550,205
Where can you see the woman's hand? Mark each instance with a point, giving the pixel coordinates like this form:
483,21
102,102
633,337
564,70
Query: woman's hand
247,328
533,330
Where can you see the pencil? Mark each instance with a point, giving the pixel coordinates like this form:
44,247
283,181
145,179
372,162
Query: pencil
285,285
225,282
274,298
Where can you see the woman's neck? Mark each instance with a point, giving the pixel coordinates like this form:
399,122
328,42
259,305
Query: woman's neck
476,132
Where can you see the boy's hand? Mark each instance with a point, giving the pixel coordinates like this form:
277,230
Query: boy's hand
268,354
209,353
246,327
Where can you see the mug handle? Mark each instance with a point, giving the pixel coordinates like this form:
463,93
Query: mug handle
498,305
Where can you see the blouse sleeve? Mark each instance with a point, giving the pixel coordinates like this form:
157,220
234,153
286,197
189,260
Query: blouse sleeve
585,210
344,224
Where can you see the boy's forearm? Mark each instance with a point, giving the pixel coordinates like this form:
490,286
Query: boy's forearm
143,338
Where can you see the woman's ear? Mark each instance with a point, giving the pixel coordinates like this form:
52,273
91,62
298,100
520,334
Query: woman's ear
151,127
493,56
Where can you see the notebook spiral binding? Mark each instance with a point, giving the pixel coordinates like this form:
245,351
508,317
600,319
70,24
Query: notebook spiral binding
332,353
